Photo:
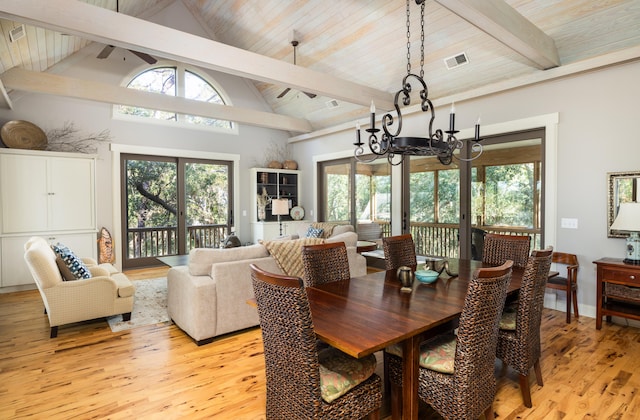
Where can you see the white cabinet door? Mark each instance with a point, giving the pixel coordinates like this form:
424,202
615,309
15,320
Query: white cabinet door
24,193
71,194
41,193
82,244
14,269
264,231
267,231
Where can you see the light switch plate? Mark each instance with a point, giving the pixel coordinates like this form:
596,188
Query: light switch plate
569,223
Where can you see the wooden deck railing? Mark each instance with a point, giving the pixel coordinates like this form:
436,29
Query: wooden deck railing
442,239
162,241
430,238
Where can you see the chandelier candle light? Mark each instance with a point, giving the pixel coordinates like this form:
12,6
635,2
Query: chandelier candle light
391,143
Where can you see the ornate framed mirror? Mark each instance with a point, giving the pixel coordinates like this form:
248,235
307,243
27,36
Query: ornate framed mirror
623,187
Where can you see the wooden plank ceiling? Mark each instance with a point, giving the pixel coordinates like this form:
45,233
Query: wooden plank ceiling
349,52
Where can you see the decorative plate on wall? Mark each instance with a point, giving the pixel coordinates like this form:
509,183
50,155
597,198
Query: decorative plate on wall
297,213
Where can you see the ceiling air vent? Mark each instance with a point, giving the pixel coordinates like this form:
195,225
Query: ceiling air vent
332,104
17,33
456,61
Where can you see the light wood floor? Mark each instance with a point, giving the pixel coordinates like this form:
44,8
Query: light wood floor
158,372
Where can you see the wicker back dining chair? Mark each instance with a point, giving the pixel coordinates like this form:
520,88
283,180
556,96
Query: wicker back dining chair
519,335
499,248
324,263
300,380
569,283
456,376
398,251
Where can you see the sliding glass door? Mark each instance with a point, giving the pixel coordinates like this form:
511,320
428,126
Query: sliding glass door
449,209
355,193
171,205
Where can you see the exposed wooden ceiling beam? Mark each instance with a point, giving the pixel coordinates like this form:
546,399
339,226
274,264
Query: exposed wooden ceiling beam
46,83
504,23
5,101
108,27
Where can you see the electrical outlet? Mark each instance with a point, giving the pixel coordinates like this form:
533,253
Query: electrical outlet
569,223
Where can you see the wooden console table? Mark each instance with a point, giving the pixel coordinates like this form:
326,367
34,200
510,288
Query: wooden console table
618,290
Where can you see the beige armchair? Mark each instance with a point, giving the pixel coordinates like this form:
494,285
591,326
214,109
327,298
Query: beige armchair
106,293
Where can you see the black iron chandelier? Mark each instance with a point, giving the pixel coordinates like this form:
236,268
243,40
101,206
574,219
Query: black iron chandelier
391,144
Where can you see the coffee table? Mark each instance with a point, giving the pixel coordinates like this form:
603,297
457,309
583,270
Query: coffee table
174,260
365,246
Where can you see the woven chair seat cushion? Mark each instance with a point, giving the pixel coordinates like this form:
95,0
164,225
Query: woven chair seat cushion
340,372
436,354
508,319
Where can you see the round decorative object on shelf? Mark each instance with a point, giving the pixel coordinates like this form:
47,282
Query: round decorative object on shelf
274,164
19,134
290,164
297,213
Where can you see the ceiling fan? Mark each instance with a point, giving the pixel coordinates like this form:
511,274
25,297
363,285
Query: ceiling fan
284,92
107,50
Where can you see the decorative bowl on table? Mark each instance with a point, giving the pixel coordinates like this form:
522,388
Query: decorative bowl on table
427,276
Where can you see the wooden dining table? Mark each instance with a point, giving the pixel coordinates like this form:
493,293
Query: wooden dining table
365,314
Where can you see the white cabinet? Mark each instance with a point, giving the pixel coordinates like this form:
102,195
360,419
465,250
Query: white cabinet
14,269
47,194
278,183
42,193
270,230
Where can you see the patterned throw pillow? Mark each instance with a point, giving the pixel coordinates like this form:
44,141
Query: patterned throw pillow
67,275
314,232
73,263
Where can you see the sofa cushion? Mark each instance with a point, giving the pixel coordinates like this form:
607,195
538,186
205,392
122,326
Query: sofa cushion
200,259
73,263
338,229
349,238
288,254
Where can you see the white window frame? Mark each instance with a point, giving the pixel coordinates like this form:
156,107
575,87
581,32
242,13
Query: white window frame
181,122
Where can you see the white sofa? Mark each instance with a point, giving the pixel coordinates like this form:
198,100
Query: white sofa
209,296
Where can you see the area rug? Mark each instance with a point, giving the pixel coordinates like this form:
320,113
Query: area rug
149,306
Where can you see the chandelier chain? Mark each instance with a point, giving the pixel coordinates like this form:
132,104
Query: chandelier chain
408,39
422,40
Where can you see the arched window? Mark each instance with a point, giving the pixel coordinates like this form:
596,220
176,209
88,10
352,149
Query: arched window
175,81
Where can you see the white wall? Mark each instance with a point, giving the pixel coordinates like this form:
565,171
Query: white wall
597,133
